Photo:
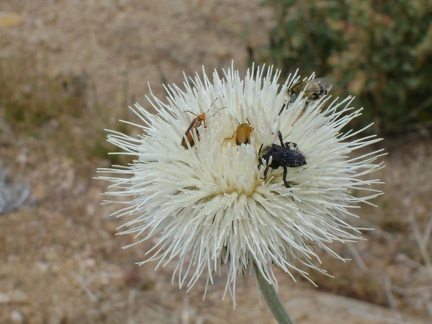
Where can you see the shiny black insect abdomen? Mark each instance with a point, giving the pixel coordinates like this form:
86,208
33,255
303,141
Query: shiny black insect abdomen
283,156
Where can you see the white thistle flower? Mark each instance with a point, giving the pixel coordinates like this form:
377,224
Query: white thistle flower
209,206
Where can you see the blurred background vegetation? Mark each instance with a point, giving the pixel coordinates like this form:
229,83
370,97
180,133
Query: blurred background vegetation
378,51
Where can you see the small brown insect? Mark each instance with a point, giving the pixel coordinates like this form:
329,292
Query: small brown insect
313,90
243,133
188,135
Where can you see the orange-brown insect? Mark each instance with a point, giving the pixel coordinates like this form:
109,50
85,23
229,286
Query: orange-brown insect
196,122
243,133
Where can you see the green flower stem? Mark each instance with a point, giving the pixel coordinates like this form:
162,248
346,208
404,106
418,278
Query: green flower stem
272,298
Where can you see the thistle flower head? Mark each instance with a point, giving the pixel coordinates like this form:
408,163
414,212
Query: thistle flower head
213,190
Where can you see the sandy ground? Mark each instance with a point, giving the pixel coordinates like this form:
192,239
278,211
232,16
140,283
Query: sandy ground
60,259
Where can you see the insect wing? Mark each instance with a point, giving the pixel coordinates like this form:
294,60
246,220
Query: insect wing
196,122
295,159
285,156
190,138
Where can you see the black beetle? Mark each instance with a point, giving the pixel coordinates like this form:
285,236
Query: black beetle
284,155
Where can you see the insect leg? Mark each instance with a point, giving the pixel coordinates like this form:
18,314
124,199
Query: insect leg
227,138
285,173
259,156
283,107
265,172
280,138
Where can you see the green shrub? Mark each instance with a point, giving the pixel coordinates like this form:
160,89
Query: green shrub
379,51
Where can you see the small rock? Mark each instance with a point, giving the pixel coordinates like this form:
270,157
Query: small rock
4,298
17,317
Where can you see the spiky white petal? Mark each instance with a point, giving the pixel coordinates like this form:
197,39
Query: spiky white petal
210,207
